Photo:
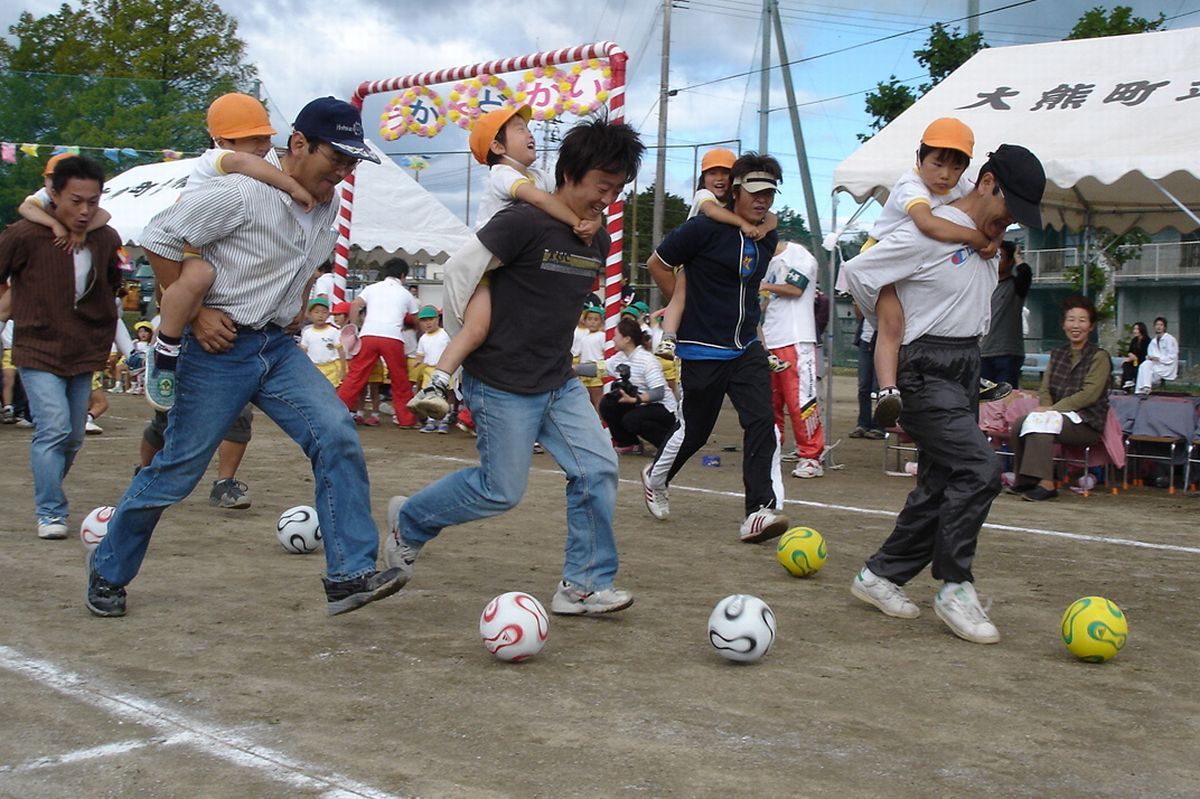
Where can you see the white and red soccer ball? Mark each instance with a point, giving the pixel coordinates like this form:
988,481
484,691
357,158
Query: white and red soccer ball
95,526
514,626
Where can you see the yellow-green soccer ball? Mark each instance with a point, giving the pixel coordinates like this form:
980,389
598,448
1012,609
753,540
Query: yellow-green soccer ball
801,551
1094,629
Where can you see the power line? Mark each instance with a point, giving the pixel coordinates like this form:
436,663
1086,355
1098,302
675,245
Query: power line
673,92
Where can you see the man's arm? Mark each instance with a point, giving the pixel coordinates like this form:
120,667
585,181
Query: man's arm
235,163
1022,278
662,275
212,328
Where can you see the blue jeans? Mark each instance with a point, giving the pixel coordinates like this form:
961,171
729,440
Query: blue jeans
58,406
565,423
267,368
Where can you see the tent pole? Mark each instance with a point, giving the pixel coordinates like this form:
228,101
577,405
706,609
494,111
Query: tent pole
827,337
1175,200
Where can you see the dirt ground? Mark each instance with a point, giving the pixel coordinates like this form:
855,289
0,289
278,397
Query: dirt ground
227,679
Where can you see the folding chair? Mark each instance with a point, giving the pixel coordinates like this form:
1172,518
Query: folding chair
896,441
1162,422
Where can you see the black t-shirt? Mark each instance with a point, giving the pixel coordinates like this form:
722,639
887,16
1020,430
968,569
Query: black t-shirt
537,292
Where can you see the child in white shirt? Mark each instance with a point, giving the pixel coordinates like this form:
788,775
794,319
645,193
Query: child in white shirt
430,348
502,140
322,342
241,132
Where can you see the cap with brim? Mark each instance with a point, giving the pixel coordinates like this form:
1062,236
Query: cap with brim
428,312
1022,180
338,123
53,162
143,325
640,307
238,116
948,133
341,307
315,301
717,157
755,182
593,309
485,129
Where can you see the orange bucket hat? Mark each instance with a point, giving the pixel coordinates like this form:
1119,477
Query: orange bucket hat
237,116
489,124
950,134
719,157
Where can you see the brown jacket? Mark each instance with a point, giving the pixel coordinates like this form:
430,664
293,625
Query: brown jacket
51,331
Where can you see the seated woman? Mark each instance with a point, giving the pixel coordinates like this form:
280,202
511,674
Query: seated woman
1137,354
646,408
1074,404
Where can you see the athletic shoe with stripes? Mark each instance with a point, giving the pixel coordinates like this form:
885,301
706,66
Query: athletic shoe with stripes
657,500
763,525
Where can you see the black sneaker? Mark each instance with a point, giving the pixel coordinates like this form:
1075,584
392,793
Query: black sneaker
103,598
229,493
349,595
989,391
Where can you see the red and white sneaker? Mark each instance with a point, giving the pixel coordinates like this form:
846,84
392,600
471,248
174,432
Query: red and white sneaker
763,525
658,502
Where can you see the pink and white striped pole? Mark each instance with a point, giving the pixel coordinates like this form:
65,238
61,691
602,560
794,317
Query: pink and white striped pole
617,60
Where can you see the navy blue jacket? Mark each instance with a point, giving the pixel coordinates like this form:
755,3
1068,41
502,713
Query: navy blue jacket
722,307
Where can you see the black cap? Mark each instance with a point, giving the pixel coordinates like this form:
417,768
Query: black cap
1022,179
337,122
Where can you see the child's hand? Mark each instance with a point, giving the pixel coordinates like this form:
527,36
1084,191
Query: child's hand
78,241
62,239
586,229
302,196
988,249
751,231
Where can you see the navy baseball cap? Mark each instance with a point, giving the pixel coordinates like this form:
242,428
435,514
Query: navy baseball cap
337,122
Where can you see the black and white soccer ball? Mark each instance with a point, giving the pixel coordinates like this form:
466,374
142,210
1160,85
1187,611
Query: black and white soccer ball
299,530
742,628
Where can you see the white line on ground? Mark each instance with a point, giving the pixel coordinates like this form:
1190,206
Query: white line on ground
1006,528
220,742
97,752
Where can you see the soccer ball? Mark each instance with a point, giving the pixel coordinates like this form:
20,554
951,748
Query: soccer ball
514,626
742,628
1094,629
801,551
298,530
95,526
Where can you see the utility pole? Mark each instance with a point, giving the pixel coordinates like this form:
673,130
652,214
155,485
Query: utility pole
764,79
660,172
810,199
972,17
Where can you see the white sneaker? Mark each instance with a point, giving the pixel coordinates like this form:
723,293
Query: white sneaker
790,457
91,428
808,467
958,606
763,525
658,502
571,601
883,594
52,529
398,553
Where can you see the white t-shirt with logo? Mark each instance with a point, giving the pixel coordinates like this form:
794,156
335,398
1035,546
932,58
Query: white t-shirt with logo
388,302
321,344
791,320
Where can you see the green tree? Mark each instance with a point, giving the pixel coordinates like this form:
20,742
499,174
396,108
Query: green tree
675,211
114,73
944,52
1096,23
793,227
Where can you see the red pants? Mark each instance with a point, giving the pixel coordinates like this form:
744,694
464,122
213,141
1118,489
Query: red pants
392,352
795,390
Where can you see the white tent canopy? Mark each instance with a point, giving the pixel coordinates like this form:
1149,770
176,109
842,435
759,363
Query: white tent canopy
391,210
1113,120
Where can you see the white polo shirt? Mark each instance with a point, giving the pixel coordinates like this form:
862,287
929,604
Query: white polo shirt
388,302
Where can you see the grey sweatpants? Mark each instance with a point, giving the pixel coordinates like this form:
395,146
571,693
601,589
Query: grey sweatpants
958,473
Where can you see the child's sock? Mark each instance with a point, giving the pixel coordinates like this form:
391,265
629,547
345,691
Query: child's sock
166,352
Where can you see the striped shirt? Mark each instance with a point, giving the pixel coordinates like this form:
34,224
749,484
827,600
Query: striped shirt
251,234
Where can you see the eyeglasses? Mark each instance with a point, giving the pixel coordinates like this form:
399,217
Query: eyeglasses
342,163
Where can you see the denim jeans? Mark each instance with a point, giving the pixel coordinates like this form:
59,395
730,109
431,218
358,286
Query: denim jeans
267,368
565,423
866,384
58,406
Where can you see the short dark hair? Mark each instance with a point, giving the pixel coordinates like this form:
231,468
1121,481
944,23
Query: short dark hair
752,162
1010,249
1079,301
1157,319
956,158
76,167
597,143
394,267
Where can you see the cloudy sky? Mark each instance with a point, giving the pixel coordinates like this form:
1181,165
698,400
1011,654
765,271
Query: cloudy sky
305,49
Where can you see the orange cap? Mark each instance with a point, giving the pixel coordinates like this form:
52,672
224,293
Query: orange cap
949,133
720,157
53,162
237,116
489,124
